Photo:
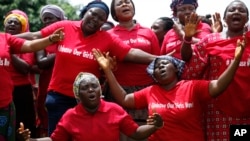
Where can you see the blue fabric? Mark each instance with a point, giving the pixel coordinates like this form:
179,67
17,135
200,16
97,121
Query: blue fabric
98,4
57,104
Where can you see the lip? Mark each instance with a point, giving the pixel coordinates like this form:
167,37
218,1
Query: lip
92,97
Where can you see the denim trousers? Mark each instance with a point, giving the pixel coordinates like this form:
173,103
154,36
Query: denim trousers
57,104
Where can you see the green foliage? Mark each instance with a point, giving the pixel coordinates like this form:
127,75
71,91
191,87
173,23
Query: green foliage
32,9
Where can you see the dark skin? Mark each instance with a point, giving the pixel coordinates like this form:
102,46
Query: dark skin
45,60
167,77
236,11
89,95
13,26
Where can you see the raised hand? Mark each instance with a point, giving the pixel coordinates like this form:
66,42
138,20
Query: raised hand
240,48
191,25
57,36
23,134
216,23
101,59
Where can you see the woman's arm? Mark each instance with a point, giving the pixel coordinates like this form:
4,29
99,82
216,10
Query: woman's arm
138,56
45,61
216,87
20,65
154,123
39,44
121,97
30,35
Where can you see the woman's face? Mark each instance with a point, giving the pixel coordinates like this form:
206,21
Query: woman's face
124,10
158,28
90,93
236,16
13,26
93,20
164,71
183,11
49,18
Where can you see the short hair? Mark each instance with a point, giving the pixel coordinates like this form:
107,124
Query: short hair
112,9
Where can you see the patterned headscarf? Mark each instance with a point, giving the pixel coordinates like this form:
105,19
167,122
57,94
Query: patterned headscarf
179,64
98,4
79,78
21,16
53,9
176,3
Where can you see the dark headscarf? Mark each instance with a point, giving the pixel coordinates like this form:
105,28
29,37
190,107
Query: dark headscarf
176,3
98,4
179,64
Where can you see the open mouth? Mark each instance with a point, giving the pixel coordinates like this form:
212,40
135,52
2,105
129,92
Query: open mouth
126,10
236,19
92,97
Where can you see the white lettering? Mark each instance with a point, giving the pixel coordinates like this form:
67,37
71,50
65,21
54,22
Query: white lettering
239,132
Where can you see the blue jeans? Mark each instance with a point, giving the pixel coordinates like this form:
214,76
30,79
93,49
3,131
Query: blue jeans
57,104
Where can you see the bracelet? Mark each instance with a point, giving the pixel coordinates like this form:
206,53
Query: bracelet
51,40
187,42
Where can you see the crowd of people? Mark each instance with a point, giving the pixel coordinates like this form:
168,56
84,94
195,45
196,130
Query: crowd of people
101,80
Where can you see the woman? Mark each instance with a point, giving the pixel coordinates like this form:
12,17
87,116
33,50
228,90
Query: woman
213,54
132,76
10,44
45,60
182,10
180,103
74,55
17,22
93,119
161,26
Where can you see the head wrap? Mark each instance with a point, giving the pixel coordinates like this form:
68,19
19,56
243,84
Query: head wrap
53,9
98,4
179,64
176,3
21,16
79,78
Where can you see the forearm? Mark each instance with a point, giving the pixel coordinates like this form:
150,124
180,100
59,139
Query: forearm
20,65
116,90
46,61
186,49
29,35
36,45
144,132
139,56
219,85
41,139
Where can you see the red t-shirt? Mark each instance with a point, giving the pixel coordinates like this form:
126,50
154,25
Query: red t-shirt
75,54
133,74
104,125
221,53
8,44
181,109
173,42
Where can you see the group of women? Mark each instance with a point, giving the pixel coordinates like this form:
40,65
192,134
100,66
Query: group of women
191,109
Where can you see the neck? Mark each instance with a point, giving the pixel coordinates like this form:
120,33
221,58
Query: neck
168,86
127,24
231,34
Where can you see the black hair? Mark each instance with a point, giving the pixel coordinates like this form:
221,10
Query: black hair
225,12
168,23
112,9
